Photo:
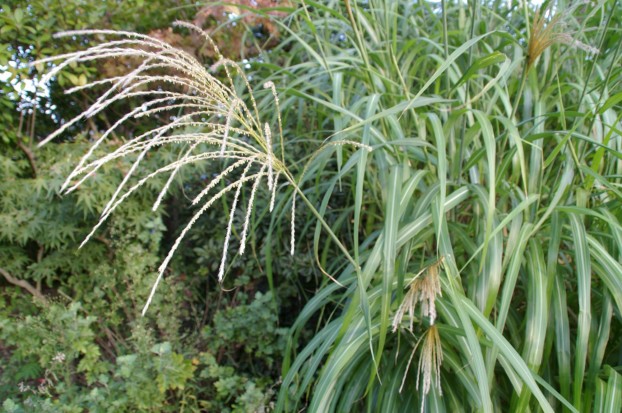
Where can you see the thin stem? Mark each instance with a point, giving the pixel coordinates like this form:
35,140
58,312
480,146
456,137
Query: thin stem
517,98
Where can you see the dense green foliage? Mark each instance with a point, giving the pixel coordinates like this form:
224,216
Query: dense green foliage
71,335
86,346
458,247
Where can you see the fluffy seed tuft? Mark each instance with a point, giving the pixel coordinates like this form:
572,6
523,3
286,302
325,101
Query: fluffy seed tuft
172,82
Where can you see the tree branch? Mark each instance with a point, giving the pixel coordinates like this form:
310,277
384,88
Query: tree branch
23,284
30,156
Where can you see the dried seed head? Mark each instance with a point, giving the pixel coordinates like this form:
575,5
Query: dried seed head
424,288
545,33
430,360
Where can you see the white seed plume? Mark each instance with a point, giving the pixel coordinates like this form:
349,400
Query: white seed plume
172,82
219,178
203,118
430,361
424,288
183,233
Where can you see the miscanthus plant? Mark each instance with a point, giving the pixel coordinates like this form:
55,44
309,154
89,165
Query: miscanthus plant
486,220
467,198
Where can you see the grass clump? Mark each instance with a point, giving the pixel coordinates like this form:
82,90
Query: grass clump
463,136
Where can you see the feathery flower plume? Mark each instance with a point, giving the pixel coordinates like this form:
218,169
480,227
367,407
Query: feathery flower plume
545,33
424,288
171,177
169,80
430,362
172,83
